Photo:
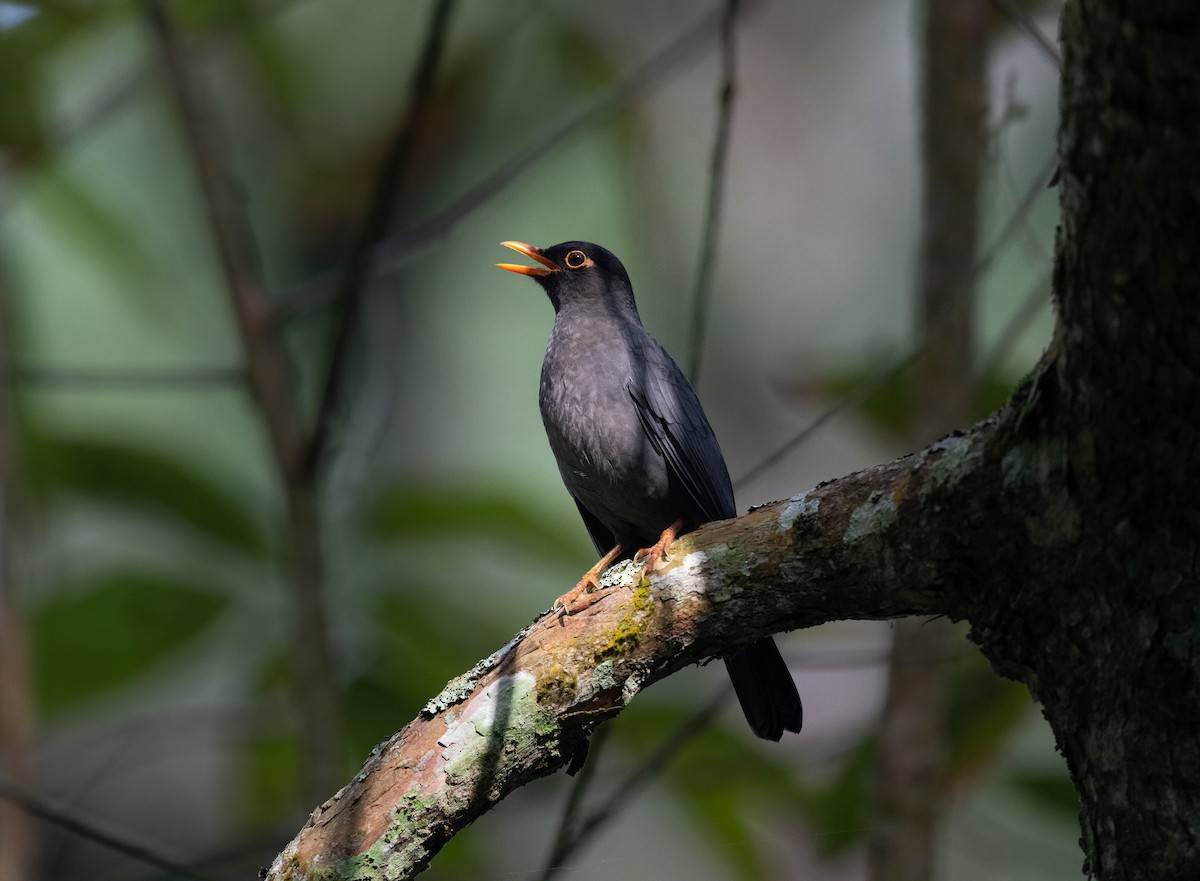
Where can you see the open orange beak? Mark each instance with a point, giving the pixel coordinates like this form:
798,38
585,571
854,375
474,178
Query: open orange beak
548,266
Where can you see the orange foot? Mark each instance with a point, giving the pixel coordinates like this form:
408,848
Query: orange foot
587,591
660,550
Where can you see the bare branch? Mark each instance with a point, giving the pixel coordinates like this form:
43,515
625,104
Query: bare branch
271,382
69,820
267,366
1035,300
624,792
884,374
716,188
375,224
1024,21
828,554
121,379
566,838
391,255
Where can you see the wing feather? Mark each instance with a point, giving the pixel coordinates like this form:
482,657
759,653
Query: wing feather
671,415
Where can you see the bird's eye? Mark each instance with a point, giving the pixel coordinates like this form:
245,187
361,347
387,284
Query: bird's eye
575,259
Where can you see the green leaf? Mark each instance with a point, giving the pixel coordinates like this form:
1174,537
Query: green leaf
24,48
96,229
419,643
422,511
109,632
151,481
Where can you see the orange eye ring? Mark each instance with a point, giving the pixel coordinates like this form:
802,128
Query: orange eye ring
575,259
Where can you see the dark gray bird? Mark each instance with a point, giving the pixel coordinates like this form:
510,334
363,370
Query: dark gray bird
634,447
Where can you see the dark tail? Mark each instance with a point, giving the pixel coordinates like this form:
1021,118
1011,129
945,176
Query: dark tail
765,689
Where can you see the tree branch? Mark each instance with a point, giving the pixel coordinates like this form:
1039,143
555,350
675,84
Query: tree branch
29,804
121,379
391,254
1064,529
873,545
716,188
271,381
374,227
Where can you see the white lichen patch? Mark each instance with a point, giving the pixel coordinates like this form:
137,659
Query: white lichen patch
874,515
684,578
633,684
798,506
473,727
946,460
624,574
460,688
603,678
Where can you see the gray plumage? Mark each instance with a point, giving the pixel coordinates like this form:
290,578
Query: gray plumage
632,443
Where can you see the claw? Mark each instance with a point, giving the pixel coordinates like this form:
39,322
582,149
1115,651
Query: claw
660,550
587,590
569,603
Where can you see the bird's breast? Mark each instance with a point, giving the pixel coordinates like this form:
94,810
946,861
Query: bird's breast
591,420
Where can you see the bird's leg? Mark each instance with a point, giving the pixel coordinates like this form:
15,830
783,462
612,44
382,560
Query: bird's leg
660,550
583,594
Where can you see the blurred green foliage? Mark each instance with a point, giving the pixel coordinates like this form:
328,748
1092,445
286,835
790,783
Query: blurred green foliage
154,483
113,630
154,528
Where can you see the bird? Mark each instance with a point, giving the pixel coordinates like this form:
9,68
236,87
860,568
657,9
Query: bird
634,448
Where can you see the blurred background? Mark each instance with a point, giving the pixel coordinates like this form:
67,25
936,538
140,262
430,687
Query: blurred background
207,209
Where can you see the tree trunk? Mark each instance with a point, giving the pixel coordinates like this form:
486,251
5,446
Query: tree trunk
1112,646
1065,529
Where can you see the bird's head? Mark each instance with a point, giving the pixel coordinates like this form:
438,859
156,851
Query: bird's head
576,273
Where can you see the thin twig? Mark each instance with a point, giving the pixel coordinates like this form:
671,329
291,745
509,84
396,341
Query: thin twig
121,379
65,819
117,97
1036,299
272,384
850,401
650,768
564,837
877,380
569,836
394,253
1024,21
716,188
374,227
267,367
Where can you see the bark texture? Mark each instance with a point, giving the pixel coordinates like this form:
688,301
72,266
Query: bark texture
1116,662
1065,529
